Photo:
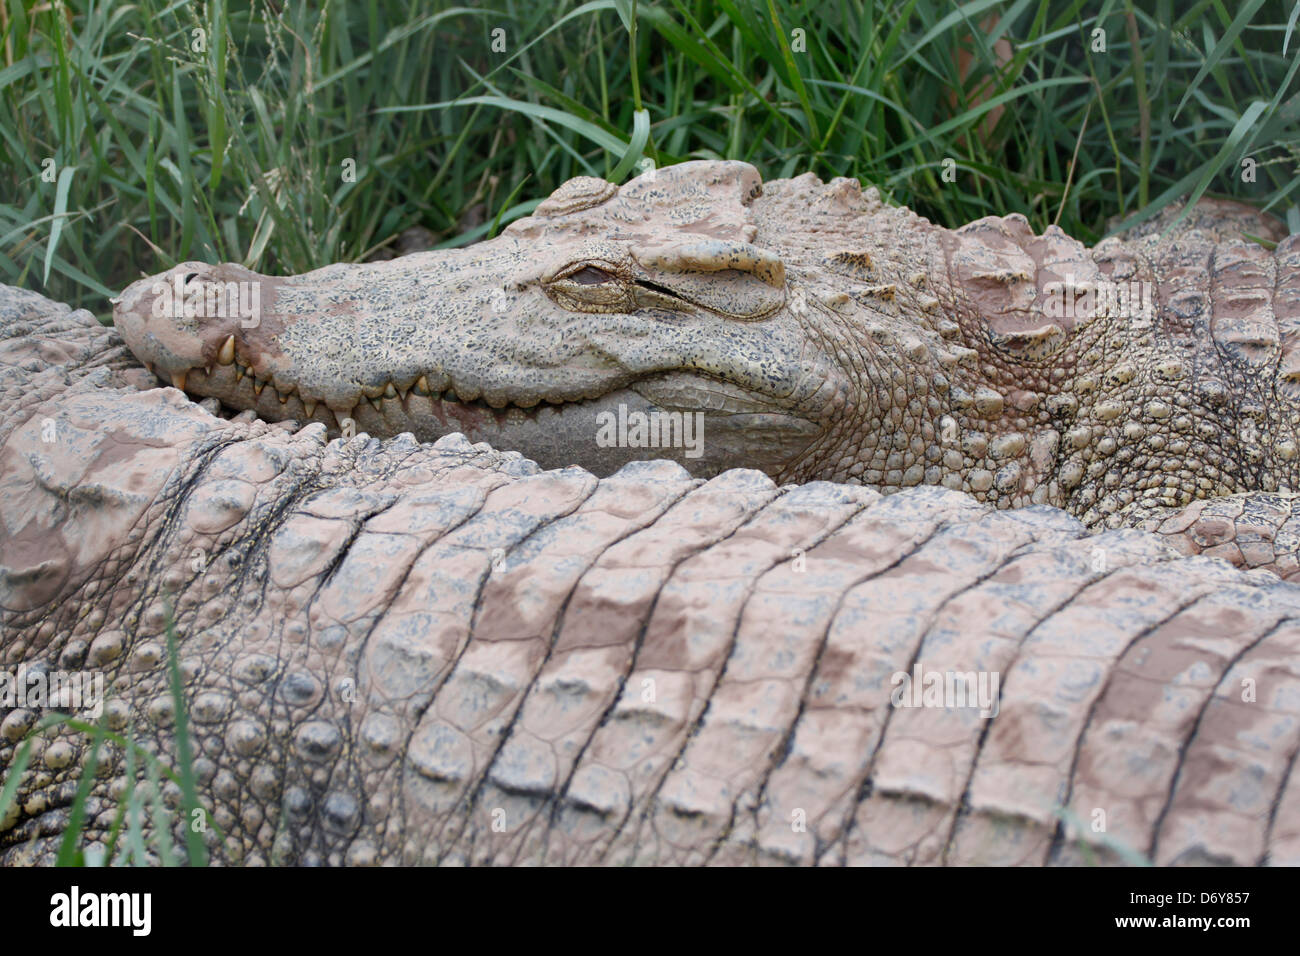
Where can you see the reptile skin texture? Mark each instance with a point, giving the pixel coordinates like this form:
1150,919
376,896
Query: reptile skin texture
442,653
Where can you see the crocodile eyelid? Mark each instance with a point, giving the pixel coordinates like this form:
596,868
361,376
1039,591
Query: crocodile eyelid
589,272
591,275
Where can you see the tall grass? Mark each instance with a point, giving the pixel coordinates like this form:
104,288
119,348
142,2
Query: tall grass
290,135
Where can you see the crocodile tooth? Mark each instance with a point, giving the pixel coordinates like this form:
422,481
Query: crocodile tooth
376,402
339,417
389,391
207,370
310,405
178,379
283,396
239,373
226,354
421,386
258,385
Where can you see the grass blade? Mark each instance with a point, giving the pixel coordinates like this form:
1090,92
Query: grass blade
1239,22
60,210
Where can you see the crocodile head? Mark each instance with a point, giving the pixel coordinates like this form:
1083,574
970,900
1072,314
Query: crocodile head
613,324
803,328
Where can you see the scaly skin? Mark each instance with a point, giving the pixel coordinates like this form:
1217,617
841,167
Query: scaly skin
822,335
405,653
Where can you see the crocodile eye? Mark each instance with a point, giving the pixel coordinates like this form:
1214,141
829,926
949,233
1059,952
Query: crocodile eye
590,275
591,286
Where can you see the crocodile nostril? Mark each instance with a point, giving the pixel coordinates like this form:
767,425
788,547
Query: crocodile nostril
656,287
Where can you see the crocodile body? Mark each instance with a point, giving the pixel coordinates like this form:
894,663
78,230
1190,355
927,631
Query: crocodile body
395,652
405,652
817,334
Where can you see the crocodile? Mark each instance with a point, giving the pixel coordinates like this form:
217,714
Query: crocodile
804,329
396,652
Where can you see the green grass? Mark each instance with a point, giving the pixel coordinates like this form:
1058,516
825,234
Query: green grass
135,136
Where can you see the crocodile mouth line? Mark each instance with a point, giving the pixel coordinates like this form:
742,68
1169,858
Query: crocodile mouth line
248,392
231,379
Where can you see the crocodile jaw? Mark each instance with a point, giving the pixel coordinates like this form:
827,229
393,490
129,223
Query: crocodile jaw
600,434
553,338
613,407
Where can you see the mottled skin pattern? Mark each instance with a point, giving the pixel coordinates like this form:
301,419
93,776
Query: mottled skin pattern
396,652
823,334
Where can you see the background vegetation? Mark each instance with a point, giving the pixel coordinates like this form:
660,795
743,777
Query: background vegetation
137,135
